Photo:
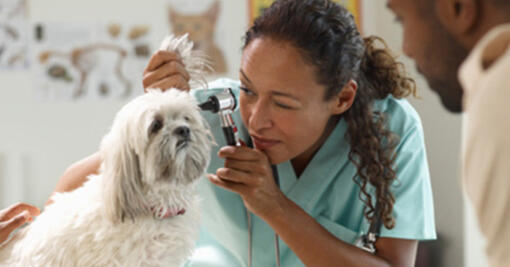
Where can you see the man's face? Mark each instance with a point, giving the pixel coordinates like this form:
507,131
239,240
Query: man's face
436,53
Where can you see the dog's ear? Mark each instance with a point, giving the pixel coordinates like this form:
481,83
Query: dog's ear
123,188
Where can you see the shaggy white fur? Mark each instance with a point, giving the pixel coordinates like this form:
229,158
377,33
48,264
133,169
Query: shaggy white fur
142,209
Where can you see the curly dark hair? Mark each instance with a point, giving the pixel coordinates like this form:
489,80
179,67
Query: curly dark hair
327,37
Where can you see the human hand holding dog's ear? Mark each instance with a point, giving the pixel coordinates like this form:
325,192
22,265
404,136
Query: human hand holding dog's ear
166,70
14,217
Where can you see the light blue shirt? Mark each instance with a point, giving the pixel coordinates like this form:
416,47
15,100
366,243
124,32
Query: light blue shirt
325,190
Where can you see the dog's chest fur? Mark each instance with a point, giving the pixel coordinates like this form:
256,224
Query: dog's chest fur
75,232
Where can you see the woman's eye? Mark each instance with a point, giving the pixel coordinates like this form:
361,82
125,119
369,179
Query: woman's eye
247,91
283,106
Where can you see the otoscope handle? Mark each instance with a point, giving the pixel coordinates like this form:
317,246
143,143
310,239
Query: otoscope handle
229,134
229,128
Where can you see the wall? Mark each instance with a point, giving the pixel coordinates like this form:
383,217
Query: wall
40,139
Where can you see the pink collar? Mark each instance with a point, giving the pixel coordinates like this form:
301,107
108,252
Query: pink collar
169,213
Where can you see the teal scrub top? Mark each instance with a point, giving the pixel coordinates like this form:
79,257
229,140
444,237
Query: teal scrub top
325,190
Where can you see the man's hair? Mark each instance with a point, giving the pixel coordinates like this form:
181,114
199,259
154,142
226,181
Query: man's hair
428,5
501,3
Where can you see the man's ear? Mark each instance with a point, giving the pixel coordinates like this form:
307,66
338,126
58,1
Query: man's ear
459,17
344,99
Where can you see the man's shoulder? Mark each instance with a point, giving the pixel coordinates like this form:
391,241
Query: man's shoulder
489,59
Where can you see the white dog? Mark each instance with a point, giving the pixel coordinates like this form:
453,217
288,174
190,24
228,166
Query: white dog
142,209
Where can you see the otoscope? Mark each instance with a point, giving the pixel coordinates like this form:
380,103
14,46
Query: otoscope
224,103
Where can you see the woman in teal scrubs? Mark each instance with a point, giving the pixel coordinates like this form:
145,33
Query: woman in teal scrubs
325,107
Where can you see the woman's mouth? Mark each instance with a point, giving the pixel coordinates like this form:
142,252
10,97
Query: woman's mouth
262,143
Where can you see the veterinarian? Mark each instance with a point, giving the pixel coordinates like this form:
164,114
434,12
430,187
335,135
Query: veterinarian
15,216
325,106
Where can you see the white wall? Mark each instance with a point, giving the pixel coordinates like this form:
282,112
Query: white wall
40,139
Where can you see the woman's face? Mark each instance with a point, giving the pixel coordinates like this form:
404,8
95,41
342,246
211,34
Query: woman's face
281,103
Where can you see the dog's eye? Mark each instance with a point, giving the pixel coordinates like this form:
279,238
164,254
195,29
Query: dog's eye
156,125
187,118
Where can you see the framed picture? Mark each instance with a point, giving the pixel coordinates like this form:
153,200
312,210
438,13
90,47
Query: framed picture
257,6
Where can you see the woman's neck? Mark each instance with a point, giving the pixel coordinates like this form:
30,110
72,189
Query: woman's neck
300,162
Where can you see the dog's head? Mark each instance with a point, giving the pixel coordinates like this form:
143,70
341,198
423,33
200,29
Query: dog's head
157,142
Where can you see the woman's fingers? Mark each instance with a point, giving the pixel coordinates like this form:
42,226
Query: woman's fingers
17,221
169,69
14,217
18,208
225,184
246,166
159,58
172,82
237,176
241,153
166,70
7,227
243,165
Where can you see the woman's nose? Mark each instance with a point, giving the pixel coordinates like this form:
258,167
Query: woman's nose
260,117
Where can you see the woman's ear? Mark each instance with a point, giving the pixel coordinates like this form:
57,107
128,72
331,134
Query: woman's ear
344,99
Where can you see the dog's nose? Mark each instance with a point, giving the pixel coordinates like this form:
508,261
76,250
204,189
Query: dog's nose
182,131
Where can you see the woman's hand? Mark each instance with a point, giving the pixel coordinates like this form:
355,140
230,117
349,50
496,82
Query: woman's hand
165,70
14,217
248,172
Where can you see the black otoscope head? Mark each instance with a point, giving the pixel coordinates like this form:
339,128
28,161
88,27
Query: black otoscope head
224,100
211,104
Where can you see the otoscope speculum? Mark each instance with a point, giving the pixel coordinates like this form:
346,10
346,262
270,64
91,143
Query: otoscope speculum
224,100
224,103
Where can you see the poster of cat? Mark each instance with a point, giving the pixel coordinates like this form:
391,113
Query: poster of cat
257,6
90,60
199,19
13,34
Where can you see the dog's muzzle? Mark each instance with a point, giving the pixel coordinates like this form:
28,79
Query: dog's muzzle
183,133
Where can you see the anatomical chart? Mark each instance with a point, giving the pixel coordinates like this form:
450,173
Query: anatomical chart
13,34
77,61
